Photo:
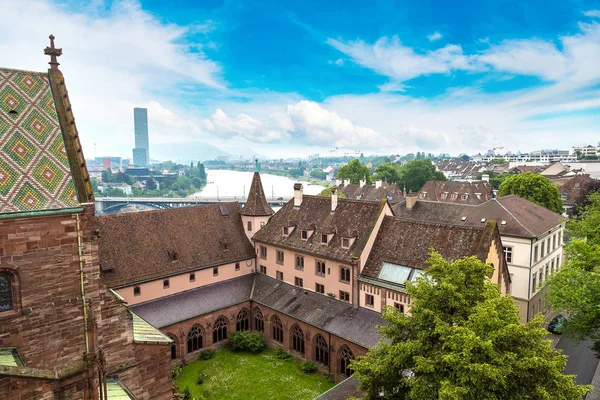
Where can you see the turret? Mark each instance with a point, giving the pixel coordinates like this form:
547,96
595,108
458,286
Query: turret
256,212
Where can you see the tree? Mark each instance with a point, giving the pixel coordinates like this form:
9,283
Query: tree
584,197
575,289
327,193
415,173
150,184
535,188
495,178
318,174
389,172
354,171
464,340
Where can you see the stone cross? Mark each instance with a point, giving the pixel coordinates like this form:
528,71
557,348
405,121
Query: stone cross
53,53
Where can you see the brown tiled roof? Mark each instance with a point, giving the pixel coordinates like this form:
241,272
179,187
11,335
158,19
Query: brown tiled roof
141,246
407,243
352,217
572,187
523,218
476,192
256,205
391,192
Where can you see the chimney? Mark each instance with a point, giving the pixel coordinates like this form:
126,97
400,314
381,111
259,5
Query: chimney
334,199
378,183
363,182
339,182
410,202
485,177
297,195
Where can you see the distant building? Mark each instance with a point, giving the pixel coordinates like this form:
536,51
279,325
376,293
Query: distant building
586,151
105,163
141,152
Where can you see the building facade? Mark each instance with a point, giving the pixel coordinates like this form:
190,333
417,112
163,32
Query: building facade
141,152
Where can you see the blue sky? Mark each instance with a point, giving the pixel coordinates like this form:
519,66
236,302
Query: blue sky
283,78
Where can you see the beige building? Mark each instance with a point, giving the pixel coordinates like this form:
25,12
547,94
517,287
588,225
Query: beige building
531,235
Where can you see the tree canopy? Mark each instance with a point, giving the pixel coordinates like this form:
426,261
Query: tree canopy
415,173
575,289
389,172
496,179
535,188
354,171
327,193
584,197
464,340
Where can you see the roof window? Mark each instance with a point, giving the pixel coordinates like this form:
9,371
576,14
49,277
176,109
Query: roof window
483,220
463,219
503,223
224,210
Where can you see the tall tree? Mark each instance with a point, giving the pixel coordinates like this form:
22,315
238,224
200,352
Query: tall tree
354,171
389,172
575,289
584,197
415,173
463,340
535,188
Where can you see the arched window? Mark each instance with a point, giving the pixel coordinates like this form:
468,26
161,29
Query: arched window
321,350
6,295
242,322
194,339
345,357
173,347
298,339
259,321
220,330
277,329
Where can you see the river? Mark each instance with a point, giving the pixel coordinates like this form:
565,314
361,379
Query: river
226,183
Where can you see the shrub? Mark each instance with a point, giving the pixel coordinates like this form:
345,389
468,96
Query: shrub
308,367
254,342
201,378
186,393
176,371
206,355
282,354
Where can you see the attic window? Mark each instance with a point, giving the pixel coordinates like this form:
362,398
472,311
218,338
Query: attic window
423,195
224,210
358,197
304,235
577,186
503,223
454,196
13,112
444,196
286,230
172,255
346,243
324,238
463,219
464,196
225,245
483,220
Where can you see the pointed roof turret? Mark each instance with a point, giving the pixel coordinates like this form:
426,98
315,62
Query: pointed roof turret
256,205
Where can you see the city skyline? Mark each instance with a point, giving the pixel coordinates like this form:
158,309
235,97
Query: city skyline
277,81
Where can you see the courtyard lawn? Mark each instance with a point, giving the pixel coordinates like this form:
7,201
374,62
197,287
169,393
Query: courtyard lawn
245,376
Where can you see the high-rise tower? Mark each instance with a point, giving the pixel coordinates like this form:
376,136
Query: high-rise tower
141,152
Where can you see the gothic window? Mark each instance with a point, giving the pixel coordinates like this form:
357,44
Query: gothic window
321,351
220,330
277,329
241,323
259,321
345,357
6,297
194,339
173,347
298,339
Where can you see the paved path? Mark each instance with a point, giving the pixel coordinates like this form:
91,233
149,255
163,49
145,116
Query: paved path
581,362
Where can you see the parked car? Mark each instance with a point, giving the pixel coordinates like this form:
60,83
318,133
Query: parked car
557,325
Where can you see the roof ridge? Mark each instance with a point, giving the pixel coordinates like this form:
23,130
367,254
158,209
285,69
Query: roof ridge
512,215
447,224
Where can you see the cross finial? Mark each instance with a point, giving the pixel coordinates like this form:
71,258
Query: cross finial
53,52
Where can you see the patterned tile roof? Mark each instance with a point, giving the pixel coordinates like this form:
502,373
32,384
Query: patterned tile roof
371,192
35,173
256,205
457,192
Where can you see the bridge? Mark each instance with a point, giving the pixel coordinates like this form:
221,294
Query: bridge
114,204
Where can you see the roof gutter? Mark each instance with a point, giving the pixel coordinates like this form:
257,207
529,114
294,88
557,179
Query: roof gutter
41,213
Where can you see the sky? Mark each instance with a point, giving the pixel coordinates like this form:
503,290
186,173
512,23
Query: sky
281,79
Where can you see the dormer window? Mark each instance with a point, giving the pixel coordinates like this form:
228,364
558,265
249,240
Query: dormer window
324,238
304,235
287,230
225,246
464,196
172,255
444,196
347,242
423,195
454,196
358,196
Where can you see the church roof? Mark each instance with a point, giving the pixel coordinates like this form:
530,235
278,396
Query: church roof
256,205
41,163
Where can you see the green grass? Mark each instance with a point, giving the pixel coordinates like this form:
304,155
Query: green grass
247,376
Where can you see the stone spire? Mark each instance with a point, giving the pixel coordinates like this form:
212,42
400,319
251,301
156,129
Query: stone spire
256,205
53,52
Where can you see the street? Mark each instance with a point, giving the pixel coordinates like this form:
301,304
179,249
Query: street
581,361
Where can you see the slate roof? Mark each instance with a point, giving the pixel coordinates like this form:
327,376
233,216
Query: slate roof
355,324
256,204
348,388
137,247
35,173
475,192
182,306
391,192
571,188
523,218
352,218
407,242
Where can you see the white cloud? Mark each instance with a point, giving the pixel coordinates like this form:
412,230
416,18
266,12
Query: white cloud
592,13
434,36
391,58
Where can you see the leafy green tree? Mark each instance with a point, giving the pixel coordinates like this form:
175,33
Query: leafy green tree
327,193
535,188
150,184
575,289
584,198
318,174
498,161
464,340
389,172
415,173
354,171
495,178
